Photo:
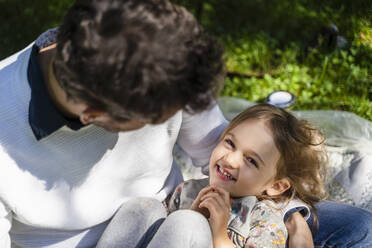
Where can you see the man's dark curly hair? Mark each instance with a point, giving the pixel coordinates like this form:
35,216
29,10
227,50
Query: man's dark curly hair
136,59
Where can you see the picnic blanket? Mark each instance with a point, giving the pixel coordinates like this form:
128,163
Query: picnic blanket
348,144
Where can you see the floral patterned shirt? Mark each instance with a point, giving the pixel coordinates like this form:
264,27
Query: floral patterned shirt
251,223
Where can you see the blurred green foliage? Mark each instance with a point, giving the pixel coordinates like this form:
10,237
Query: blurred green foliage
23,20
270,45
339,80
276,45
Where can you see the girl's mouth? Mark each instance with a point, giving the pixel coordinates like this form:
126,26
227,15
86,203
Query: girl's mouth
224,174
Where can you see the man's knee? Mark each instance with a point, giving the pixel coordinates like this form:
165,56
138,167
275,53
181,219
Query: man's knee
186,228
188,219
142,208
144,203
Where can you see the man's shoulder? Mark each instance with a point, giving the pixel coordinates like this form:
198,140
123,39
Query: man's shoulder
17,61
45,39
17,55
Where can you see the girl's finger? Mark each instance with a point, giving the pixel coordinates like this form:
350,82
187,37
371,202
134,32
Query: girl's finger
204,191
201,193
209,194
218,198
224,194
210,204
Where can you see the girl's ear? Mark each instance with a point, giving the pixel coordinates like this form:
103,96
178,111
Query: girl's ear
278,187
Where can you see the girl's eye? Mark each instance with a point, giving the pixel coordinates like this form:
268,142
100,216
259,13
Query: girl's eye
230,143
252,161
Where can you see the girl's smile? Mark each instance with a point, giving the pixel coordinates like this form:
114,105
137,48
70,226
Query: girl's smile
224,174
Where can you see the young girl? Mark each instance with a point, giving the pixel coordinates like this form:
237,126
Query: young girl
266,162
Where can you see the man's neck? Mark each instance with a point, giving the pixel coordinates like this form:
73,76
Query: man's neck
55,91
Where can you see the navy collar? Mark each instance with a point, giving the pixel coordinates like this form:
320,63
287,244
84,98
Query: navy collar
43,116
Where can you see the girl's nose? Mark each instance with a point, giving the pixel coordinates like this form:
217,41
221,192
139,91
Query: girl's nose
233,160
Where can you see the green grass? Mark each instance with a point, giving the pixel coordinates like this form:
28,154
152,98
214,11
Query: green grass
267,49
339,80
266,46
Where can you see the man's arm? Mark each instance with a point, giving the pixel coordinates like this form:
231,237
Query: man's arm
199,134
299,233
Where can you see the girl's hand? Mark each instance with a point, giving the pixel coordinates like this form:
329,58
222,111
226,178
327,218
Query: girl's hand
218,203
197,201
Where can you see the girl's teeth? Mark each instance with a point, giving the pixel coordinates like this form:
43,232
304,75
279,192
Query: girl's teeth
224,173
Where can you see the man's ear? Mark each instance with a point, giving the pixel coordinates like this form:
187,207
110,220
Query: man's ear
278,187
90,114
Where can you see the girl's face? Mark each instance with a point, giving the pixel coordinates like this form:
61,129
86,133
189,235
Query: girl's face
244,162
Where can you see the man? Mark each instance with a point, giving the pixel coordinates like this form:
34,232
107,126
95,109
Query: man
89,120
144,68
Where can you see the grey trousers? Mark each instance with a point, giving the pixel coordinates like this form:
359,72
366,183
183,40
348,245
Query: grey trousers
143,222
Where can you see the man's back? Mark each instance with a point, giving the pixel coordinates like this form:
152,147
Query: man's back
115,65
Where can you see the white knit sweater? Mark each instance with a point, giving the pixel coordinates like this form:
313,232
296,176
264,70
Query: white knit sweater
59,191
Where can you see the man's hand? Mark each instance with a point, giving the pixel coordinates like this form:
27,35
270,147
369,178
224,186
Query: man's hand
299,233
